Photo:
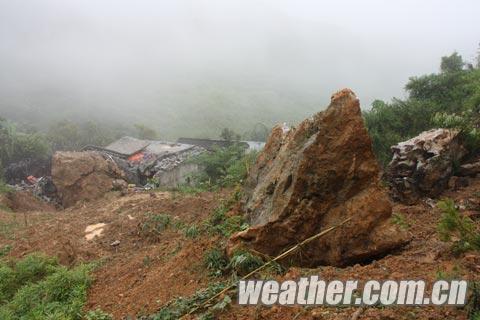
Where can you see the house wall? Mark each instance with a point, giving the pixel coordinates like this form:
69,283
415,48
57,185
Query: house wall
177,176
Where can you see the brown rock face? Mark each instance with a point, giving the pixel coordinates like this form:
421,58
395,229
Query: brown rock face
313,177
83,175
423,165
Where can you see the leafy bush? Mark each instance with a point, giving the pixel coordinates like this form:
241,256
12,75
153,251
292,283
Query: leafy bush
452,223
182,305
466,121
216,261
38,288
223,166
221,224
243,262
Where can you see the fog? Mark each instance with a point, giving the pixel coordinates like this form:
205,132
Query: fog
191,67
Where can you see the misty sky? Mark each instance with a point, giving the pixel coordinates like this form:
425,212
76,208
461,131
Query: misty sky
147,58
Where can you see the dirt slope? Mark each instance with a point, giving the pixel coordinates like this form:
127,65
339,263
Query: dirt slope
139,275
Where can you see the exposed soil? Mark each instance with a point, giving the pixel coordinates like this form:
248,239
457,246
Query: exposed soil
24,201
137,274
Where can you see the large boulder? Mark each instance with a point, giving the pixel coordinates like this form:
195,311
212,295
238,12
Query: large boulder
423,165
83,175
315,176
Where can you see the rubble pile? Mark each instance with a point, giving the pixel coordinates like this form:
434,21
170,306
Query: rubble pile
313,177
423,165
16,172
83,175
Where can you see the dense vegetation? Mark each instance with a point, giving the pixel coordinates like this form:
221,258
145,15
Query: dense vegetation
37,287
450,98
224,167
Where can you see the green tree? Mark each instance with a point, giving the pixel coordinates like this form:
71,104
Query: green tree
16,146
229,135
452,63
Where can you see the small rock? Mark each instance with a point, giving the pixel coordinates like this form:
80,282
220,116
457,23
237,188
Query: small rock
469,169
455,183
115,243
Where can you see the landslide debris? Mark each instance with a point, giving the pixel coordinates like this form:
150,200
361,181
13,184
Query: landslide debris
315,176
422,166
84,176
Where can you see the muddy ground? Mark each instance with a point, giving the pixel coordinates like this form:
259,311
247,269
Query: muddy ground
137,275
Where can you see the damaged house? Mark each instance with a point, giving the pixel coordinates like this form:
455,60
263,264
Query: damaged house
141,160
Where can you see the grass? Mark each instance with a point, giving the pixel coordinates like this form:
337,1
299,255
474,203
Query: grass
183,305
244,262
4,188
37,287
473,305
453,274
154,224
215,261
221,224
453,225
400,220
192,231
97,315
5,250
7,228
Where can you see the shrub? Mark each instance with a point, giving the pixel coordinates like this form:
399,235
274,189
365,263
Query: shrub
473,305
243,262
192,231
221,224
154,224
38,288
452,223
223,167
216,261
182,305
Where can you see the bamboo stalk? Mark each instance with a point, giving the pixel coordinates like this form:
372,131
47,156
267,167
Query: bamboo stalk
282,255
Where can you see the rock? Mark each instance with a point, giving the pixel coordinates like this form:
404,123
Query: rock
422,166
83,175
119,184
469,169
115,243
455,183
313,177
